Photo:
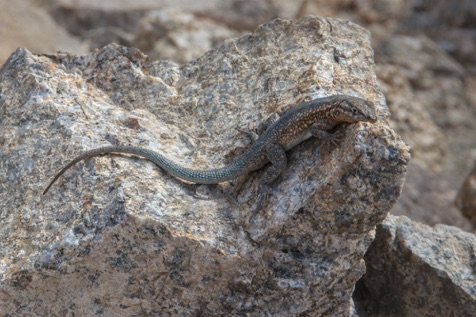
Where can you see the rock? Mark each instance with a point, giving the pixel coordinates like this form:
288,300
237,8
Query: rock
118,236
440,85
235,14
466,199
415,270
429,95
25,25
168,33
179,36
450,23
428,197
412,120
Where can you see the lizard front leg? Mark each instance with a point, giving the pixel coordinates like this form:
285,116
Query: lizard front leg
324,135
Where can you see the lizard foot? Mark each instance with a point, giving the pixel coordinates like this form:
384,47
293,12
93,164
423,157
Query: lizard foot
207,192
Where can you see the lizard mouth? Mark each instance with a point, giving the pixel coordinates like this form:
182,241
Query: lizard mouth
372,119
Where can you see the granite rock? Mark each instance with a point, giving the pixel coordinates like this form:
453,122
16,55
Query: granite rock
118,236
416,270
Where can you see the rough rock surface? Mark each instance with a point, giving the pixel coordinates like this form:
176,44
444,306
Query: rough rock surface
424,53
416,270
118,236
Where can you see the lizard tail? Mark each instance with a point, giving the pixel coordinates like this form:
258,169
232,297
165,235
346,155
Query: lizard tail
211,176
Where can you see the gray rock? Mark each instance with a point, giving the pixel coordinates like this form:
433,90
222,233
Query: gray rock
118,236
415,270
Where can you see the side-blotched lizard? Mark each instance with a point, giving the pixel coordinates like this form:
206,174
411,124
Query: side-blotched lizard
313,118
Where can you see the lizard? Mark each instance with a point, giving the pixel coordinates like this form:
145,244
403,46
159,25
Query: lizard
315,118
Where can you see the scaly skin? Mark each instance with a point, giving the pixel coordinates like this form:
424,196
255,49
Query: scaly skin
313,118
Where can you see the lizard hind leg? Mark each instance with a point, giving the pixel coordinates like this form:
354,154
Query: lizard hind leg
253,134
213,192
277,156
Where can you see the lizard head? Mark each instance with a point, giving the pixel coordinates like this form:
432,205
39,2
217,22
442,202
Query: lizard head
352,109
